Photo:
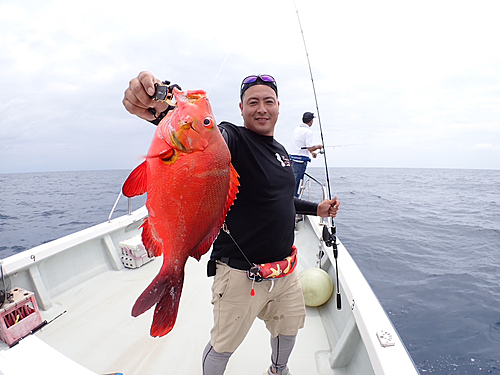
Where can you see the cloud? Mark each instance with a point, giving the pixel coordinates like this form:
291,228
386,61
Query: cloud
409,84
484,146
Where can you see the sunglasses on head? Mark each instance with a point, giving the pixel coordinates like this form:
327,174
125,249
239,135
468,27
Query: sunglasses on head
262,77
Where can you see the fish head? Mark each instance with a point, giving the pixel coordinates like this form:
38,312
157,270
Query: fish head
189,128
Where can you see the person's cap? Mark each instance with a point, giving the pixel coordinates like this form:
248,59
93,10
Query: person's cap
308,116
261,79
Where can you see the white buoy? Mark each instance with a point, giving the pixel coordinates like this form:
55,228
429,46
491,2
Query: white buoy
317,286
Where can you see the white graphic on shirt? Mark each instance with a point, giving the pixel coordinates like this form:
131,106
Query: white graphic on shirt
280,159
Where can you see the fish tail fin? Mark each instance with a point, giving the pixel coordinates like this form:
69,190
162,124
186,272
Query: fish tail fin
150,296
164,291
153,293
166,309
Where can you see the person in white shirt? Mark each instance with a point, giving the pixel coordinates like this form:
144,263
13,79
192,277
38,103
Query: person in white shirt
302,147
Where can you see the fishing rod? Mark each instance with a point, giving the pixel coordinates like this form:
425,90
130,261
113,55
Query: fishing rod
322,151
329,231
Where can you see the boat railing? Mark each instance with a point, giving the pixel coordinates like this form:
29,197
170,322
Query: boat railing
116,203
306,184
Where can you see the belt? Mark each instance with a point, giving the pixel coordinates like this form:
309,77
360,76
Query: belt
300,158
266,270
239,264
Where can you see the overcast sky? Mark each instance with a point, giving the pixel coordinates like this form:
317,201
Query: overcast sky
399,83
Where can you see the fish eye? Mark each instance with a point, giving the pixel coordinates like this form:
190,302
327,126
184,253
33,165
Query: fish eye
167,156
208,122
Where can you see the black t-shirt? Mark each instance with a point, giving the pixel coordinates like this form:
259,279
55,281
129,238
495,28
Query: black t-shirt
262,218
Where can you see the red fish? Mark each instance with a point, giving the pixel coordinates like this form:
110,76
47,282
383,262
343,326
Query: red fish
191,185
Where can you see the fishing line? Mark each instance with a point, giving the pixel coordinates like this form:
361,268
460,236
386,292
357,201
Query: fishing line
217,76
329,233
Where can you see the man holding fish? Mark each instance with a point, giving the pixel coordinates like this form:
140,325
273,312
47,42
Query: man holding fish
256,241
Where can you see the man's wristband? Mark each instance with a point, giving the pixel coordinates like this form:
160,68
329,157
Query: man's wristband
160,117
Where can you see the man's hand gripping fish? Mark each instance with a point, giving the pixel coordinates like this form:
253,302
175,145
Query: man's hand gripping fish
190,184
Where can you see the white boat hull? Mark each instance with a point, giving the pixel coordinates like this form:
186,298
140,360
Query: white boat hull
82,275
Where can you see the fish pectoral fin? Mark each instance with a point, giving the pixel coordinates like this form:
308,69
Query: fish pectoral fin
136,183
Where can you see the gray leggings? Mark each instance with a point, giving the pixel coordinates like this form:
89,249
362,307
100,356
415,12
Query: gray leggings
214,363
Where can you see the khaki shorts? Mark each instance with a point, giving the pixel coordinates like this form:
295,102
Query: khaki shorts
282,309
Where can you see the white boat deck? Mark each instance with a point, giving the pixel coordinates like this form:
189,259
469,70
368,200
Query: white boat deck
105,338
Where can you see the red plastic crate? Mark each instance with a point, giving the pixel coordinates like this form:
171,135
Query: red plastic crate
19,316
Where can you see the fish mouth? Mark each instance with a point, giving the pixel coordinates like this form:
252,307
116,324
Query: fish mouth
176,142
175,135
172,138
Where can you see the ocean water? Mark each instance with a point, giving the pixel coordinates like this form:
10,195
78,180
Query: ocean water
427,241
39,207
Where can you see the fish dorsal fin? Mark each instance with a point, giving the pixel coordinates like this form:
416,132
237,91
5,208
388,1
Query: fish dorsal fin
231,196
136,183
233,189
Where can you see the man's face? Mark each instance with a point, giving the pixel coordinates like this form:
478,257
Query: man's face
260,109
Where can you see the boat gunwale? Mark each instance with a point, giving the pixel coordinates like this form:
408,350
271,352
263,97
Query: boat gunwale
369,314
35,255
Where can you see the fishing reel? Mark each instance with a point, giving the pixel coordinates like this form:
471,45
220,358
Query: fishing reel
329,235
164,92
